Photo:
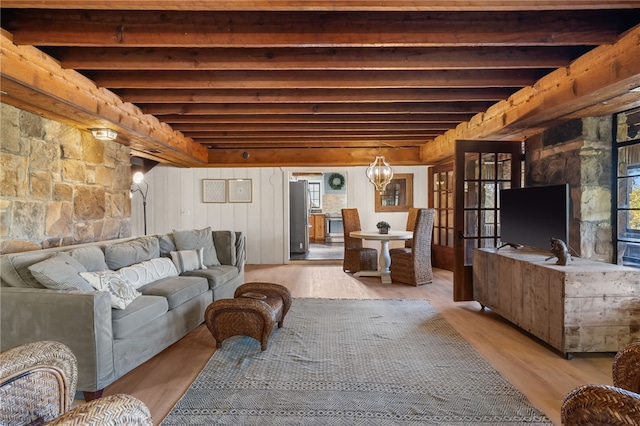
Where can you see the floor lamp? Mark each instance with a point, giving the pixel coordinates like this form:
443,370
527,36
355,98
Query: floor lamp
138,179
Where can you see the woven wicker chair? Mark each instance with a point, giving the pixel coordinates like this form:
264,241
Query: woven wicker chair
356,257
608,405
411,225
37,387
415,267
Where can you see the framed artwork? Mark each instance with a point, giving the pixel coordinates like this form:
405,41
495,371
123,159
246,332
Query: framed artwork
397,196
240,190
214,191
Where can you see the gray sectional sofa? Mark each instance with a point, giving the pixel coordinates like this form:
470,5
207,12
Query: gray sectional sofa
154,291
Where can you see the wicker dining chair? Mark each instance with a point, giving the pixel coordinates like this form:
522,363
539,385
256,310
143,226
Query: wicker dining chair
616,405
415,267
356,257
37,387
411,225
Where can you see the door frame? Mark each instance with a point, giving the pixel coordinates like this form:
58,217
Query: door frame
463,270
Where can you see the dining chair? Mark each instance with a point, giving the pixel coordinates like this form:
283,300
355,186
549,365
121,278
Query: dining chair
411,224
356,257
414,267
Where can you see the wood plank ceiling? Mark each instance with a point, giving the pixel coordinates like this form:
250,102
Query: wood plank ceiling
317,82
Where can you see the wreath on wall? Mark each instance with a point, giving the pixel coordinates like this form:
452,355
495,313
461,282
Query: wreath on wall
336,181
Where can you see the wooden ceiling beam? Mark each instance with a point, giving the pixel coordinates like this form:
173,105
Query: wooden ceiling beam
321,5
212,136
316,109
319,144
28,74
313,79
598,77
217,59
115,28
295,127
317,118
327,95
331,156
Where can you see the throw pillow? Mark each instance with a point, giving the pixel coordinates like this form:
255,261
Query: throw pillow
60,272
121,291
188,260
149,271
197,238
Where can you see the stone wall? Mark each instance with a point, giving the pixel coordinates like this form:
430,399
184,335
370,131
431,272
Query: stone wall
58,185
578,153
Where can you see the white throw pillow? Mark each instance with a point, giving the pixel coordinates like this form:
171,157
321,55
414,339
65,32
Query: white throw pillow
188,260
121,291
149,271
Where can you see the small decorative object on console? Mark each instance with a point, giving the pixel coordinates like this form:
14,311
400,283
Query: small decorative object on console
560,250
383,227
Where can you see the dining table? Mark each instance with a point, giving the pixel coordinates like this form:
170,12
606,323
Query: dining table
384,261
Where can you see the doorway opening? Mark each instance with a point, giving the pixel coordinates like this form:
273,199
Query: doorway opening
316,200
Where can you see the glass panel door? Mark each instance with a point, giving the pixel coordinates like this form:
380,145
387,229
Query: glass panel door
482,168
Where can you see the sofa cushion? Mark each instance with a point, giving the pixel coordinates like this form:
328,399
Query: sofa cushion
92,258
15,268
215,275
130,252
176,290
146,272
225,243
197,238
167,245
139,313
121,291
188,260
60,272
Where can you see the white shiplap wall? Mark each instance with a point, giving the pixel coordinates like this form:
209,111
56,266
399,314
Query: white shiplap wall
174,201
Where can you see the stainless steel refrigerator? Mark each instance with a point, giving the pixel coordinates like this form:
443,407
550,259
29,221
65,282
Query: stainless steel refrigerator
299,216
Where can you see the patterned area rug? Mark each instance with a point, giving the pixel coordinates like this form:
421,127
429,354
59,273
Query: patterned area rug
353,362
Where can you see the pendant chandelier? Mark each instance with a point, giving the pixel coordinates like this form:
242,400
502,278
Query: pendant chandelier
380,173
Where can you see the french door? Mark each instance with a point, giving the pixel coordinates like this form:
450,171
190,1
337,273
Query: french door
481,169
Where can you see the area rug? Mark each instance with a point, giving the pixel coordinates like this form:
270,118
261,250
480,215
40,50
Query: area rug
354,362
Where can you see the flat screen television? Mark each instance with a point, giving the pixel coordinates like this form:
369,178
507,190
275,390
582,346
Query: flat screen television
530,216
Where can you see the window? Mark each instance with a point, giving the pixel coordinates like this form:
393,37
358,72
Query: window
314,195
627,152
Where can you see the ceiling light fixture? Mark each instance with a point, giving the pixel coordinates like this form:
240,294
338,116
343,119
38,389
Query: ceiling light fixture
379,173
104,134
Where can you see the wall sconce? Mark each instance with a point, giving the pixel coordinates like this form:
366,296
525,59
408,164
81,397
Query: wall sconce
379,173
138,179
104,134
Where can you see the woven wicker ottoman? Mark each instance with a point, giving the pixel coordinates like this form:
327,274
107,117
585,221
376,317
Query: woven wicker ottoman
254,310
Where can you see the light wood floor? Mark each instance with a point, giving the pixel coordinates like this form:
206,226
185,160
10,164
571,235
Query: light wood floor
537,371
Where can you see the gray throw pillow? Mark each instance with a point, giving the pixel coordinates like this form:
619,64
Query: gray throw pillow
60,272
197,238
92,258
130,252
225,243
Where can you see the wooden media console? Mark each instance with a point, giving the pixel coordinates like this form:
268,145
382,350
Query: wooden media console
587,306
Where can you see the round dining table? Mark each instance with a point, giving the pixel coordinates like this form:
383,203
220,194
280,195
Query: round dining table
384,262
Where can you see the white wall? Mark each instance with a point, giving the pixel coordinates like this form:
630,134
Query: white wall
174,201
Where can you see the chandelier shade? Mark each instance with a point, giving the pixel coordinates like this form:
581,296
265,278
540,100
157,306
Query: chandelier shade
379,173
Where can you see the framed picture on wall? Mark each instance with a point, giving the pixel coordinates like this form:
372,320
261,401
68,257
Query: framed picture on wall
214,191
240,190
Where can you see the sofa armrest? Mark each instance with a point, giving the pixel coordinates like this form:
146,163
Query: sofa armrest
79,319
